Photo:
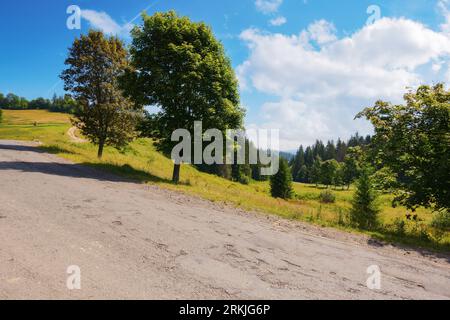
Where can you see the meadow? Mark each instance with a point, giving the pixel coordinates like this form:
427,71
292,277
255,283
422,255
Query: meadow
140,161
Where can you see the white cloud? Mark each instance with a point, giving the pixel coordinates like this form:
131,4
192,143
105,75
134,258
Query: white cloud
268,6
278,21
436,67
319,89
102,21
443,8
322,32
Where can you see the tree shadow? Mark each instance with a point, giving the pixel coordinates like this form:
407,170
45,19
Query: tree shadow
409,244
23,148
54,149
128,172
37,149
86,170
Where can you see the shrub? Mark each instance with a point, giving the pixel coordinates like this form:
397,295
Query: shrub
341,218
441,220
399,226
244,180
327,197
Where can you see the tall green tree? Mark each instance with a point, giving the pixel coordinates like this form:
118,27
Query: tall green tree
316,171
364,211
297,163
303,174
281,182
182,68
351,166
104,115
338,178
341,150
330,151
413,141
12,101
328,171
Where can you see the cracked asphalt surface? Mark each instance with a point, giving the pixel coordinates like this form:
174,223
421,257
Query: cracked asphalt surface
134,241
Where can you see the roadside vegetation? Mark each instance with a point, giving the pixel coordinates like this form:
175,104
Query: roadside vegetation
141,161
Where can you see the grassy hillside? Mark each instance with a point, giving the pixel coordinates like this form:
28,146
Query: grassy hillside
29,117
142,162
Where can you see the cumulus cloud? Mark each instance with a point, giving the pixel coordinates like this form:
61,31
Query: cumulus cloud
278,21
268,6
319,82
102,21
443,8
321,31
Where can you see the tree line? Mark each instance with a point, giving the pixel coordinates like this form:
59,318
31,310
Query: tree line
408,156
64,103
331,163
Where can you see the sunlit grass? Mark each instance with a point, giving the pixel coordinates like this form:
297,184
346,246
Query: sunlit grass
143,163
29,117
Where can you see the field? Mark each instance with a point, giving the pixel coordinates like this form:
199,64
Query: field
142,162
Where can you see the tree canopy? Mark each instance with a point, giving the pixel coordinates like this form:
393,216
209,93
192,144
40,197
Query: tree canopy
180,67
413,141
95,63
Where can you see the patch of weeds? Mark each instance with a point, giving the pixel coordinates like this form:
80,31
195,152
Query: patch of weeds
327,197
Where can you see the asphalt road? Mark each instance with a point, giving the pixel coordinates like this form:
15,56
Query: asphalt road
132,241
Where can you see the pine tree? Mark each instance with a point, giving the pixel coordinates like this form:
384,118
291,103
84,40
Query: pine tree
298,163
309,157
330,151
315,172
303,175
341,150
364,212
281,183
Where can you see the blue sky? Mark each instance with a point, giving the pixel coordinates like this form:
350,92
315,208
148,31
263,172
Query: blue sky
305,66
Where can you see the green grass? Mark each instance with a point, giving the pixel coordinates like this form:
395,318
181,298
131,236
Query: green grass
29,117
142,162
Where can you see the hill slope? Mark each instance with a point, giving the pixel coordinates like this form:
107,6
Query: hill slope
142,162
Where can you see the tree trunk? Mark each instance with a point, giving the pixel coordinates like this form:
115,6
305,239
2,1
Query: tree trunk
101,145
176,173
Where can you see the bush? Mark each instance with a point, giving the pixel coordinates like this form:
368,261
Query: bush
399,227
244,180
327,197
342,218
364,212
441,220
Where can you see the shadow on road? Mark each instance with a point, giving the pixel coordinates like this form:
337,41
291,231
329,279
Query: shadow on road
89,170
396,242
95,171
36,149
